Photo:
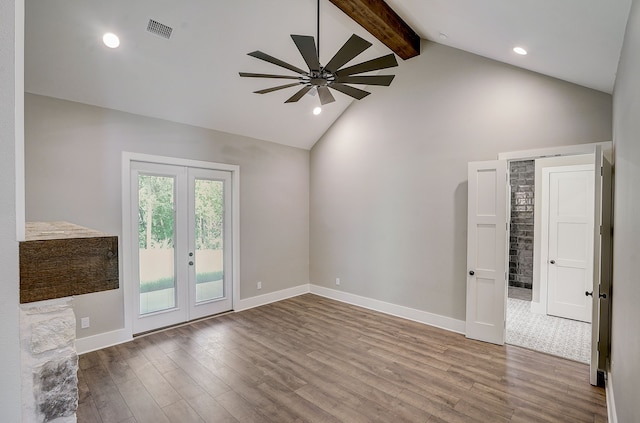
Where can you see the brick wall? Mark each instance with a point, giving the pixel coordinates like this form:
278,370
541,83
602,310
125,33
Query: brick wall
522,175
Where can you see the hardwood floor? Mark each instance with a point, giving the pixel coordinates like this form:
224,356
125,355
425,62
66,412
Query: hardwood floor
310,359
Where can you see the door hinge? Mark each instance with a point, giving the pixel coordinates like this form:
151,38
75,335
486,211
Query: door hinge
601,171
600,229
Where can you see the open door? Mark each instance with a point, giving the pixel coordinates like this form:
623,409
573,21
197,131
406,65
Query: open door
568,222
487,251
601,266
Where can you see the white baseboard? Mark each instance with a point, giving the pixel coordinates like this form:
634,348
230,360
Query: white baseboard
611,403
102,340
443,322
272,297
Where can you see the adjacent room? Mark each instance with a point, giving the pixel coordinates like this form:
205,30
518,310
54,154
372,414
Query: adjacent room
331,211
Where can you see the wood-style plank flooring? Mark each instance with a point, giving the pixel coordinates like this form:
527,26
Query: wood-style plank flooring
311,359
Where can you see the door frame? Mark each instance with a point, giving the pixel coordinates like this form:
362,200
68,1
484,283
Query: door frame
127,238
597,150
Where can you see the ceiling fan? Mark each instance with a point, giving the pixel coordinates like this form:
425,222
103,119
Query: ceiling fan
332,75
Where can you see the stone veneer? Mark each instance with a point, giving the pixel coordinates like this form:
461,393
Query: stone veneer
49,362
522,177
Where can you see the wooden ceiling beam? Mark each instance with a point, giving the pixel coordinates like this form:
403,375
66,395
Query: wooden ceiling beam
383,23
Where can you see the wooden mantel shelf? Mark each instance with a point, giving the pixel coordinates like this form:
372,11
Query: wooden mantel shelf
60,259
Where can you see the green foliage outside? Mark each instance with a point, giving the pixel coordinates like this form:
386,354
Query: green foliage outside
156,217
165,283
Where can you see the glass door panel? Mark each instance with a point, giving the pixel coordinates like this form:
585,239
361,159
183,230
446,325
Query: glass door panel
158,195
209,239
210,235
156,241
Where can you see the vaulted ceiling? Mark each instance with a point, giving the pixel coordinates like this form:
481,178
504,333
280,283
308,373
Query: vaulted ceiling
192,77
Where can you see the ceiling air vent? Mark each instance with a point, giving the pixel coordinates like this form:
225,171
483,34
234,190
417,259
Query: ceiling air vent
159,29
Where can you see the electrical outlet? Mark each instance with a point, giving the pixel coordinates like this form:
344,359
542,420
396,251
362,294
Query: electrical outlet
259,285
85,322
337,281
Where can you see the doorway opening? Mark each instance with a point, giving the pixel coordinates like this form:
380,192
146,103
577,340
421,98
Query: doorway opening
488,248
530,323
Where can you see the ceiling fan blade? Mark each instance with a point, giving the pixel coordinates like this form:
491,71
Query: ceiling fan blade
264,56
279,87
367,80
325,95
353,47
297,96
307,47
382,62
266,75
350,91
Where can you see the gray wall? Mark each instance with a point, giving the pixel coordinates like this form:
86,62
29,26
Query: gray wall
73,172
625,335
388,180
9,322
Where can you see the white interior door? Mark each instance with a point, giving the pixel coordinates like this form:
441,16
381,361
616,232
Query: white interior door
570,238
182,233
600,289
487,251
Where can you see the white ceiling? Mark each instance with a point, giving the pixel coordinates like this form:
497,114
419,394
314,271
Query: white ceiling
193,77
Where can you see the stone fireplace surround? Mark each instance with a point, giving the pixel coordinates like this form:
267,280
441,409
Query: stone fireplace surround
57,261
49,361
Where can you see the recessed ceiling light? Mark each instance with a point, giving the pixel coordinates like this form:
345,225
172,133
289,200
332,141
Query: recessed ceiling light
520,51
111,40
317,110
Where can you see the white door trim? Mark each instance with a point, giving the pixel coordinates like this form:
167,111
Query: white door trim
127,268
568,150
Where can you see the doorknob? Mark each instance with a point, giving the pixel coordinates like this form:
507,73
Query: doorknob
471,272
588,294
602,295
552,262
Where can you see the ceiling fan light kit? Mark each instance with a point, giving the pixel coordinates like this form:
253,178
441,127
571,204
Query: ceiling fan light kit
331,76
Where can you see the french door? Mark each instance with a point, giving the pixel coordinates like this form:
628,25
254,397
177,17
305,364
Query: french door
181,220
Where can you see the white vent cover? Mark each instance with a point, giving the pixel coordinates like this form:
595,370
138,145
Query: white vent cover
159,29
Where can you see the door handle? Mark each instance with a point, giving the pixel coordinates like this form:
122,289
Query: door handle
588,294
471,272
552,262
